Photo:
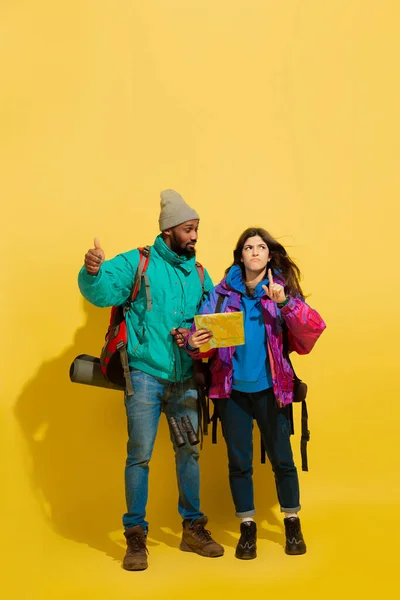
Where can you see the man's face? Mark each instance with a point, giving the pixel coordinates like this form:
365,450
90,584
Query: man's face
182,238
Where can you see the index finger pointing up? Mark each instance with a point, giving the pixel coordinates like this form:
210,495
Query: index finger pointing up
270,278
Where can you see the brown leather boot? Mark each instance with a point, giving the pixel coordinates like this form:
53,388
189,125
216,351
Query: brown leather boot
195,538
135,558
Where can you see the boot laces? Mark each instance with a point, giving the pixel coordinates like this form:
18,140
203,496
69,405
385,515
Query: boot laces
137,542
203,534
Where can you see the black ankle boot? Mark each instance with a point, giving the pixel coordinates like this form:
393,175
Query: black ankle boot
247,545
295,543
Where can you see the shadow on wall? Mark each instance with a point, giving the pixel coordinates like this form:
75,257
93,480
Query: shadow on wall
76,438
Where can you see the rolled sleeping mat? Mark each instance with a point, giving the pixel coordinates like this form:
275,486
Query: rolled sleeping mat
86,369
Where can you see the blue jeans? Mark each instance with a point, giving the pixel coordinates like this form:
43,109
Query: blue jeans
143,410
237,414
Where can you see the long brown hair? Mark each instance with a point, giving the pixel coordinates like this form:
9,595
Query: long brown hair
280,260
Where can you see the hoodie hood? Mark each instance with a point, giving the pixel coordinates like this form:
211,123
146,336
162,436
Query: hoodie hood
234,280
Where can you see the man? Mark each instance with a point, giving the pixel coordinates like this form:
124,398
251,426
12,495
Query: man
161,371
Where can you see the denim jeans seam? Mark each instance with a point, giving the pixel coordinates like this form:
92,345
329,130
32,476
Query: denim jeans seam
288,510
246,513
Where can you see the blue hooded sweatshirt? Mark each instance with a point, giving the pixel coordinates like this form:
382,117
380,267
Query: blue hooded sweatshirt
251,369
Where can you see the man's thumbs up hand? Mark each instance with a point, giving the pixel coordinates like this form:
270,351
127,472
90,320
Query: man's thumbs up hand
94,258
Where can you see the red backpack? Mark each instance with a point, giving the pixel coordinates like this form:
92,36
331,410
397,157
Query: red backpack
114,362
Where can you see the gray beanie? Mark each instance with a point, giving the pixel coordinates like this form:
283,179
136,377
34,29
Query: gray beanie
174,210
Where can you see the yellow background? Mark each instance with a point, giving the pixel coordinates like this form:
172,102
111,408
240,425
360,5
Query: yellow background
277,113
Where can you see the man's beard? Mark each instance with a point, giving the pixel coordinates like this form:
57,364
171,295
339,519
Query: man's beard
188,252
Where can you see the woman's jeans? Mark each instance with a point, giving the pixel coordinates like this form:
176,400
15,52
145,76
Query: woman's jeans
237,414
143,409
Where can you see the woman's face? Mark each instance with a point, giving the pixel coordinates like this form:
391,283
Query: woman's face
255,254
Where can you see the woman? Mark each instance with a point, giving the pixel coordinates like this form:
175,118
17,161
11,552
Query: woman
255,380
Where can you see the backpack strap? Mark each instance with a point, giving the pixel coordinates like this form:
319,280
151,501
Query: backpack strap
216,415
200,273
200,372
214,420
219,304
262,451
305,432
121,347
305,436
141,274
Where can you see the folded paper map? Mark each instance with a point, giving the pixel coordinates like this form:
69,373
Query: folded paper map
227,329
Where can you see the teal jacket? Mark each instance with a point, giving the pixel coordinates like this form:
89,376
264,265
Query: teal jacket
176,294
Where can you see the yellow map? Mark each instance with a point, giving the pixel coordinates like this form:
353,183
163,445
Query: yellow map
227,329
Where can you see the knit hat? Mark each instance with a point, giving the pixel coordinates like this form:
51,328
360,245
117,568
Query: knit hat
174,210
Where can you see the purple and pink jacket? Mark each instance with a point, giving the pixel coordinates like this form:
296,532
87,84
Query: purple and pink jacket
304,326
